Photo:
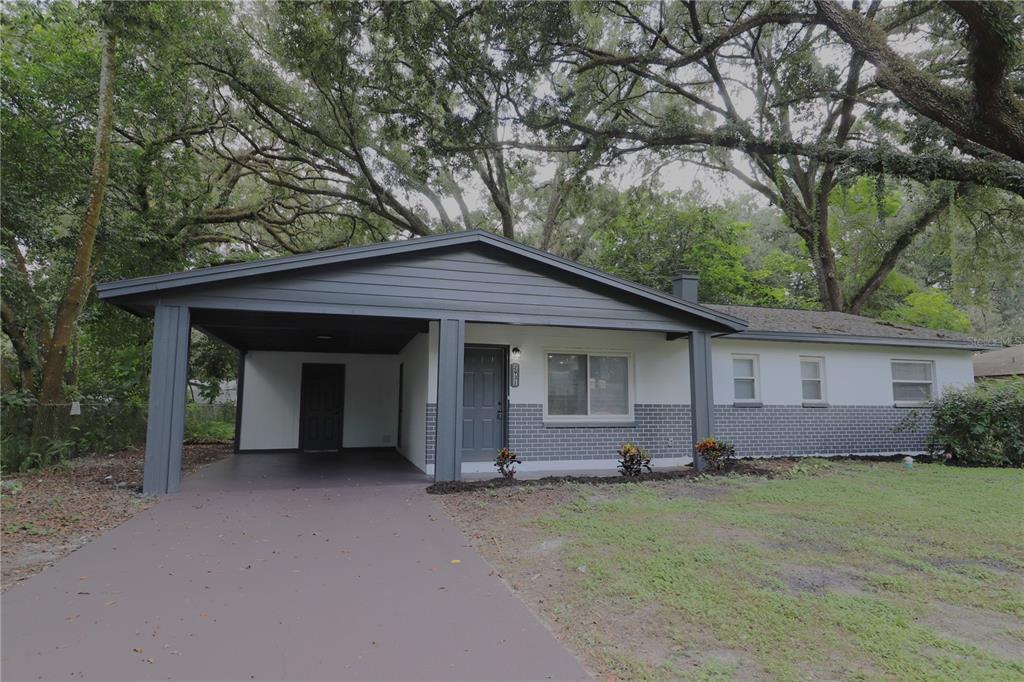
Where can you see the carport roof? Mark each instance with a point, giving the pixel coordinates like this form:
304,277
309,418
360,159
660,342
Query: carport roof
127,293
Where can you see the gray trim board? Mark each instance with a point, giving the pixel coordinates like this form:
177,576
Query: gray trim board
802,337
239,397
451,355
702,400
495,316
165,428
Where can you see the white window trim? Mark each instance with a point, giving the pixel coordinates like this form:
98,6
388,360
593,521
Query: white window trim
893,381
596,419
823,400
756,377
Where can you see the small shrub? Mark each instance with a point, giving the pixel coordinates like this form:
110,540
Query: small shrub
715,452
633,459
209,423
506,462
980,425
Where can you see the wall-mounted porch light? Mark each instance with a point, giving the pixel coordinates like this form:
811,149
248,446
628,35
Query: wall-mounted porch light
514,355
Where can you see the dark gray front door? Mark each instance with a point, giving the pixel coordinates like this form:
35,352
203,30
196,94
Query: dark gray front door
483,404
321,406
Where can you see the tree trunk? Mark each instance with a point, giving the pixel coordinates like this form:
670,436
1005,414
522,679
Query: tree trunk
892,255
51,388
991,117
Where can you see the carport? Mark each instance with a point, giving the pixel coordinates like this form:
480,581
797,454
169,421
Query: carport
409,301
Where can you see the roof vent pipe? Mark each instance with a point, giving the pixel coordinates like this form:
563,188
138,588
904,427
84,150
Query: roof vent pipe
684,285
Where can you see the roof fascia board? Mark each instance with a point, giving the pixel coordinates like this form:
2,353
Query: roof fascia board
803,337
270,306
219,273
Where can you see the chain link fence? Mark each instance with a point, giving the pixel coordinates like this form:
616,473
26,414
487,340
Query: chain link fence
77,429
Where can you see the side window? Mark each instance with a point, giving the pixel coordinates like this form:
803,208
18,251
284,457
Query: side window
745,386
812,379
913,381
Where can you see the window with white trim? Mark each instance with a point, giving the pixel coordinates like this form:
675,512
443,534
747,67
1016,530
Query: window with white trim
812,379
913,381
588,385
745,384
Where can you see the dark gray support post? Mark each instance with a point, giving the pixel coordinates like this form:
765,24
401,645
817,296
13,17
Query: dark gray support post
167,386
450,359
702,401
239,397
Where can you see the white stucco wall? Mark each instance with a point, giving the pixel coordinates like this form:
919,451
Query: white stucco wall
414,358
659,367
272,388
854,374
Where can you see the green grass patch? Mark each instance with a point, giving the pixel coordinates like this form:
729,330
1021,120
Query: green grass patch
840,571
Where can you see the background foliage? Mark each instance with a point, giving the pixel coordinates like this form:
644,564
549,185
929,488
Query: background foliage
769,145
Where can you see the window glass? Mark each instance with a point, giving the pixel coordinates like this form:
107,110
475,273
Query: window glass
912,382
743,367
911,392
744,389
912,371
811,379
810,369
609,385
811,389
567,384
744,378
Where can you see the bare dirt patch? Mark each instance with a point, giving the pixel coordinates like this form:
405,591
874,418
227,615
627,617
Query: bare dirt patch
49,513
819,579
988,630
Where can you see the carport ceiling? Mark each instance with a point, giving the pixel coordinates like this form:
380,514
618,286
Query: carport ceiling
247,330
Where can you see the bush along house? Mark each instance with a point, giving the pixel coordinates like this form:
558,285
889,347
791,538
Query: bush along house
452,347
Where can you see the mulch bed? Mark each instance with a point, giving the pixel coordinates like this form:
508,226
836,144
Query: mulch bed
48,513
767,468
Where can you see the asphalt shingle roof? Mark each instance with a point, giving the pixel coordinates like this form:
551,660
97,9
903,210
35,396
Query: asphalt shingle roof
787,320
1000,363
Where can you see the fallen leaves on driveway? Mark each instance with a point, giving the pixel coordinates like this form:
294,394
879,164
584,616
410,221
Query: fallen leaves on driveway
51,512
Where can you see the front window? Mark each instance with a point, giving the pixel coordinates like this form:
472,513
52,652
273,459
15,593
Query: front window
588,385
912,381
744,378
812,379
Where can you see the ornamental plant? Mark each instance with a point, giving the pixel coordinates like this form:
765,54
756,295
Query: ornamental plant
633,459
717,453
506,462
980,425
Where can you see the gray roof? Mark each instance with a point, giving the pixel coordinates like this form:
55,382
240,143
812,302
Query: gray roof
1004,362
124,291
786,324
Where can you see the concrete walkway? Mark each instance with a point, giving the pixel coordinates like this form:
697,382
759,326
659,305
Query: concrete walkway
267,567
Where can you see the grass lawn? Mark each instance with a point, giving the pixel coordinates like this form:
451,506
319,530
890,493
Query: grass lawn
839,570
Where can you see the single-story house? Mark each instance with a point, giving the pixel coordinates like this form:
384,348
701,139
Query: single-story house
1001,363
448,348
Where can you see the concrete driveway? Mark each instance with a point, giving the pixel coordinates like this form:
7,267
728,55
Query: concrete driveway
279,567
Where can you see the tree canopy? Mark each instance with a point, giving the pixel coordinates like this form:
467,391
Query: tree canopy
865,157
